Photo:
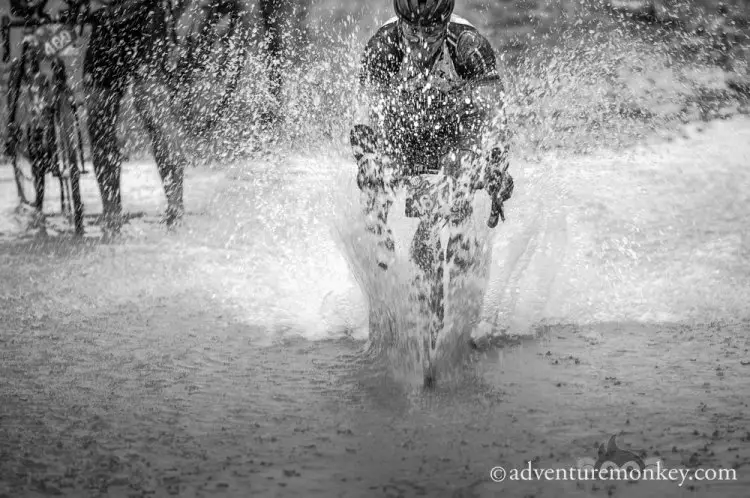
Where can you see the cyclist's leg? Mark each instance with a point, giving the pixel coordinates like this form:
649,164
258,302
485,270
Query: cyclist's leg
464,257
40,161
463,246
38,169
104,107
463,249
148,95
376,206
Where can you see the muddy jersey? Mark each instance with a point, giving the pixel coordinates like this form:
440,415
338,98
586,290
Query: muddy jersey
416,114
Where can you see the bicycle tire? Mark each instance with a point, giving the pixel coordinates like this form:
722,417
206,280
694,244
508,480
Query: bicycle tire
429,366
432,337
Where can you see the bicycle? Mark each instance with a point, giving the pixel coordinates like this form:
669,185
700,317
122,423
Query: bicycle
50,140
436,198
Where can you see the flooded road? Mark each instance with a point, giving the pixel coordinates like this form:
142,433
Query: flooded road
226,359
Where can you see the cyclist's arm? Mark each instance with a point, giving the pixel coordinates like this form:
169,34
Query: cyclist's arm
485,128
491,125
484,122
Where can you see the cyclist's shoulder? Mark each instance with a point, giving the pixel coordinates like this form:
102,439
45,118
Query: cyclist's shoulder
465,36
473,51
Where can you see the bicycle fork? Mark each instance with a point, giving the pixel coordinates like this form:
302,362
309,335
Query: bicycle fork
441,265
429,256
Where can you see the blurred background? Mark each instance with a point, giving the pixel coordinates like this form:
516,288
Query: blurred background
576,72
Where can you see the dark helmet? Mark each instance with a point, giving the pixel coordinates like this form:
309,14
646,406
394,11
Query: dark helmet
424,12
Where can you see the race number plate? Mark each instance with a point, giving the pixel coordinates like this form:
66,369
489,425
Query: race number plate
56,39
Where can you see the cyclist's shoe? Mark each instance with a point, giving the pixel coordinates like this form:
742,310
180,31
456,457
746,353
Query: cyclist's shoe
37,220
111,225
173,216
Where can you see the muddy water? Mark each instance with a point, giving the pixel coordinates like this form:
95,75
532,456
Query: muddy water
225,359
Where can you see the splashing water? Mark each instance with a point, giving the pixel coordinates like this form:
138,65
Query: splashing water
581,86
397,332
210,350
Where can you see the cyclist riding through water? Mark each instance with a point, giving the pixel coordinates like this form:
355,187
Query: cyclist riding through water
434,100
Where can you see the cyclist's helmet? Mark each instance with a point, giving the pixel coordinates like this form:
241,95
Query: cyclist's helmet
424,12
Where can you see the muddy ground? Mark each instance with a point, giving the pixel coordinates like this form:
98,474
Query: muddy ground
197,364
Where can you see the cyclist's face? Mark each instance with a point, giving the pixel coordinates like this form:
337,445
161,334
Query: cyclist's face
423,42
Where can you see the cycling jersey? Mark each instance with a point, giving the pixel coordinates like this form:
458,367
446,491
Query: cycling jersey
410,111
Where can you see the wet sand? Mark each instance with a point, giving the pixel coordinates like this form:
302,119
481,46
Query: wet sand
192,364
